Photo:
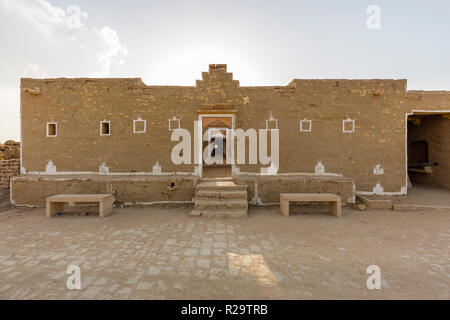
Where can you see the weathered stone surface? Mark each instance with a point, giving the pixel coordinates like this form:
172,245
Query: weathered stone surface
374,202
220,198
10,150
145,189
379,108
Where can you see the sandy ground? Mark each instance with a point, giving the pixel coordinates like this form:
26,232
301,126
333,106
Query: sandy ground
424,195
162,253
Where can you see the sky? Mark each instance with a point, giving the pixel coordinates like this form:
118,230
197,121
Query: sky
263,42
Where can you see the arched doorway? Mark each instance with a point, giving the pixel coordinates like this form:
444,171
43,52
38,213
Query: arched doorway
215,129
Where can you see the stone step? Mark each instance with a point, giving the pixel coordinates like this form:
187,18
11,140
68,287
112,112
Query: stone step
226,185
221,194
220,197
220,204
375,203
236,213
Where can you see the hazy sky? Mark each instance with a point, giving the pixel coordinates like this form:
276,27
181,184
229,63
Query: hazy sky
263,42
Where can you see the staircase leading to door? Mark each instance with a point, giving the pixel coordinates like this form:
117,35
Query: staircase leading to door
220,197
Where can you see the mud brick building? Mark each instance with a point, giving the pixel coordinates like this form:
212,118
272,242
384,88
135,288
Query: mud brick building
337,135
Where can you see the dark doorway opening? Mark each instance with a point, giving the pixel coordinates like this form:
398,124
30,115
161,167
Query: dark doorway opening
428,152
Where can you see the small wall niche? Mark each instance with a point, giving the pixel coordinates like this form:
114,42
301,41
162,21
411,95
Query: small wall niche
174,124
271,123
52,129
348,125
305,125
105,128
139,125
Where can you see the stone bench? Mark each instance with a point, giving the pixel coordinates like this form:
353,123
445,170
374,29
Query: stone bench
55,204
334,201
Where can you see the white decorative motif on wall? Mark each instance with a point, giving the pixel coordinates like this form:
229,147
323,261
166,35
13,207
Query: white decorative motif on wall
174,124
378,189
305,125
378,170
139,125
348,125
103,169
50,168
271,123
157,168
320,168
271,170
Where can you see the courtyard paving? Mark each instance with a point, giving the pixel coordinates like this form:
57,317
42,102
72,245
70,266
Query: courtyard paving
162,253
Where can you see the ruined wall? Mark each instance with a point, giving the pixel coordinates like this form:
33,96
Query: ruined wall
436,131
10,150
78,105
8,169
9,165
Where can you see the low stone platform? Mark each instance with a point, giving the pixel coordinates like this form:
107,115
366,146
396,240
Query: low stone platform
139,189
32,190
266,189
419,198
375,202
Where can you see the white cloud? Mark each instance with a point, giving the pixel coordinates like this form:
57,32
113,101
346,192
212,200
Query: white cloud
39,39
115,49
9,117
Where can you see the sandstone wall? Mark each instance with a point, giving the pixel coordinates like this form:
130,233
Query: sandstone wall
9,165
145,189
8,169
32,190
78,105
267,189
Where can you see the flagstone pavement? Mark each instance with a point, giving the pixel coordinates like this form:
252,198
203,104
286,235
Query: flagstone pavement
161,252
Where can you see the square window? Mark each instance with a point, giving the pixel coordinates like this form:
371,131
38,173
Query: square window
348,126
139,126
105,128
305,125
52,129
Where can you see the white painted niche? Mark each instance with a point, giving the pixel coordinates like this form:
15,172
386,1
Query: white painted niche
174,124
139,125
305,125
348,125
271,123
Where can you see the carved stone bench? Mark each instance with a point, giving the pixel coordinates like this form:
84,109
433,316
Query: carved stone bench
55,204
334,201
